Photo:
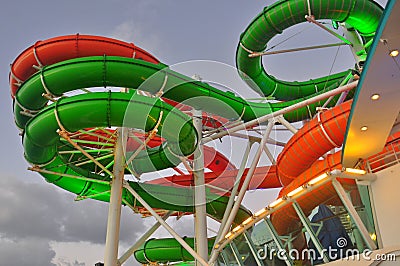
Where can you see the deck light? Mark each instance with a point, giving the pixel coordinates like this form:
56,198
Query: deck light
237,228
228,235
296,191
394,53
375,96
275,203
318,178
355,171
247,221
261,212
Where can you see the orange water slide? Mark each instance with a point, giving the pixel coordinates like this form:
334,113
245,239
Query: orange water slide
298,163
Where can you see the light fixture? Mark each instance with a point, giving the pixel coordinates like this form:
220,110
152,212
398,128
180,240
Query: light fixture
318,178
375,96
237,228
294,192
247,221
355,171
275,203
373,236
394,53
364,128
228,235
261,212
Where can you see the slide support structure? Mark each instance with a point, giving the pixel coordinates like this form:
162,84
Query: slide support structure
165,225
114,209
307,225
142,239
353,214
246,182
282,111
252,248
277,240
233,193
200,216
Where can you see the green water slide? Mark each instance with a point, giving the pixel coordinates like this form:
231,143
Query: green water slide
362,15
44,147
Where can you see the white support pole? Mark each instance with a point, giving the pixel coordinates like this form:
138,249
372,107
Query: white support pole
114,209
269,155
353,214
285,110
200,214
286,123
142,239
245,184
164,224
231,201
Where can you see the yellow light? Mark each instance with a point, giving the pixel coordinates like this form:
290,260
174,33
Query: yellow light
375,96
275,203
373,236
260,212
216,246
355,171
317,179
237,228
394,53
228,235
364,128
294,192
247,221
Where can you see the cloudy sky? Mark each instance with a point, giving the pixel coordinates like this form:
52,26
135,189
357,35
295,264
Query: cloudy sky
39,223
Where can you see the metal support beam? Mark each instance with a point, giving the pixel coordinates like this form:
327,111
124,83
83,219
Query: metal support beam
269,155
252,249
353,214
231,201
282,111
286,123
306,223
297,49
236,253
114,209
141,240
245,185
164,224
200,214
312,20
277,240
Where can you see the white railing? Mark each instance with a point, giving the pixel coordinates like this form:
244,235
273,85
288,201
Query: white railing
383,160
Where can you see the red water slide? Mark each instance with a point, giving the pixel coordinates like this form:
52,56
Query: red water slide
61,48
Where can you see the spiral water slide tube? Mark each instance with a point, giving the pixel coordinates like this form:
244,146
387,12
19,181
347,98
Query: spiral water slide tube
108,109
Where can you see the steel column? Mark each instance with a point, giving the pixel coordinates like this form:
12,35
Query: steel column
200,215
114,209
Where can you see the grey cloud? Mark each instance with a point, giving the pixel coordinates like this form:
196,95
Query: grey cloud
25,251
43,211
